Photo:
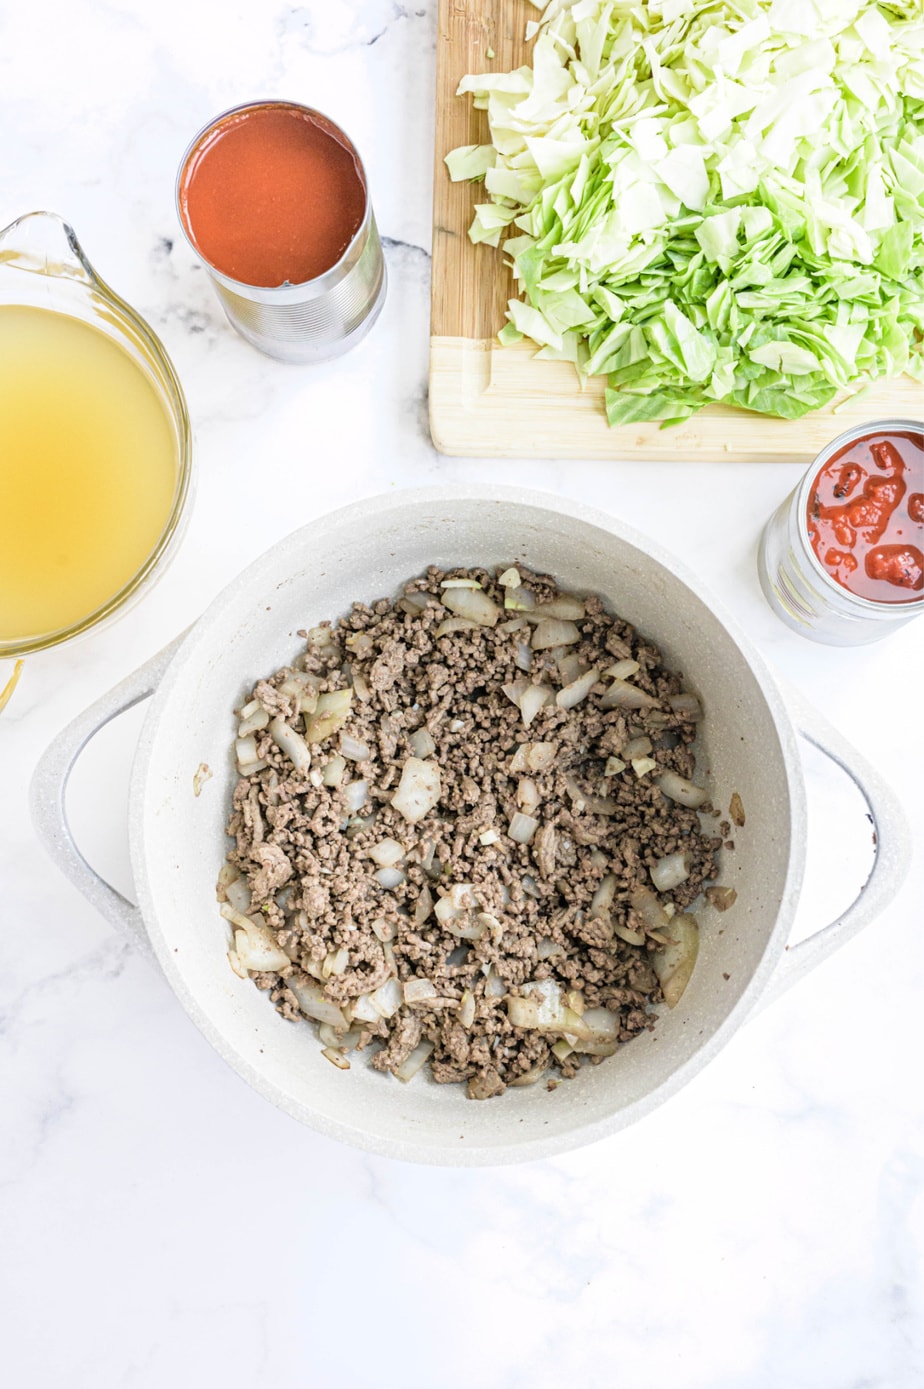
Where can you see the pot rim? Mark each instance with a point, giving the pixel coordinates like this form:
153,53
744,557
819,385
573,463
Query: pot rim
253,579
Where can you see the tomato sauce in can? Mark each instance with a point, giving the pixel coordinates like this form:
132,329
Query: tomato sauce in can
272,194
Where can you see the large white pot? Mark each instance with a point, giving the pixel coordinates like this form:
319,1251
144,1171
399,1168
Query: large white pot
748,744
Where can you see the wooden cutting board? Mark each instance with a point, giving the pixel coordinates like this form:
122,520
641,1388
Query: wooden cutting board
488,400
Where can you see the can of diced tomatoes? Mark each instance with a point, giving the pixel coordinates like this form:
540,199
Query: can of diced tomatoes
842,559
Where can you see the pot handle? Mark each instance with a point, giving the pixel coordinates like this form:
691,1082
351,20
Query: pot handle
49,787
891,838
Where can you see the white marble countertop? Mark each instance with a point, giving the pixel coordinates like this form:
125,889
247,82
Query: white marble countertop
162,1225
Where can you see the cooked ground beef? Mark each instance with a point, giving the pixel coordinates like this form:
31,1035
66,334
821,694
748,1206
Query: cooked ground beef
443,938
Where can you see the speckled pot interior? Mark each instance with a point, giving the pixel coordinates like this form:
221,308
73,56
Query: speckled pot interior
364,552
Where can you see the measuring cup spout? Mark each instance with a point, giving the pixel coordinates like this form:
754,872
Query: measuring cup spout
47,245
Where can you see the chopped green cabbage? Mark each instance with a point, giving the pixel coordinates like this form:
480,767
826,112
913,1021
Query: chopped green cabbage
712,201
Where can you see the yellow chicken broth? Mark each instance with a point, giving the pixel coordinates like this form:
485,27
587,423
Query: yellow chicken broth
88,470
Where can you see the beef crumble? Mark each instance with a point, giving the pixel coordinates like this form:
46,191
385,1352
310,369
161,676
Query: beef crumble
448,818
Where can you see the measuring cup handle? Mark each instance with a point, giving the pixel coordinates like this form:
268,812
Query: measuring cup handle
49,787
891,840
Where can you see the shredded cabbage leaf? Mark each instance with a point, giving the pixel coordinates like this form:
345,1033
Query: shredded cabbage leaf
712,201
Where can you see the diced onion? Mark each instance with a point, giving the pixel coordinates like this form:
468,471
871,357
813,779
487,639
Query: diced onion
677,788
623,695
641,766
636,747
336,1058
412,1064
388,998
248,759
419,990
674,964
314,1003
295,684
547,949
257,947
488,838
570,666
670,871
255,721
523,656
332,774
228,873
455,624
602,899
515,690
527,795
331,713
630,937
387,853
583,801
602,1024
353,749
494,986
578,690
646,905
523,1012
458,899
422,743
614,765
238,894
418,790
383,930
597,1048
465,926
564,606
335,963
520,600
360,643
389,877
360,687
292,744
686,704
363,1009
510,578
533,698
423,906
341,1041
355,794
540,756
622,670
522,828
552,631
471,603
531,1076
466,1013
460,583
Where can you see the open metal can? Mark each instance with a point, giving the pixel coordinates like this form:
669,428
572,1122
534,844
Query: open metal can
321,317
797,585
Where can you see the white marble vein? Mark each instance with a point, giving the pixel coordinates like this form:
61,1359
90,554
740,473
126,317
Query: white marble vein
162,1225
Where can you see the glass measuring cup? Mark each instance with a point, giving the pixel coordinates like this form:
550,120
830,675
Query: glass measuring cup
43,267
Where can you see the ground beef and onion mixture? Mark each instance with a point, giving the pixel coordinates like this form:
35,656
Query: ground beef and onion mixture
466,832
